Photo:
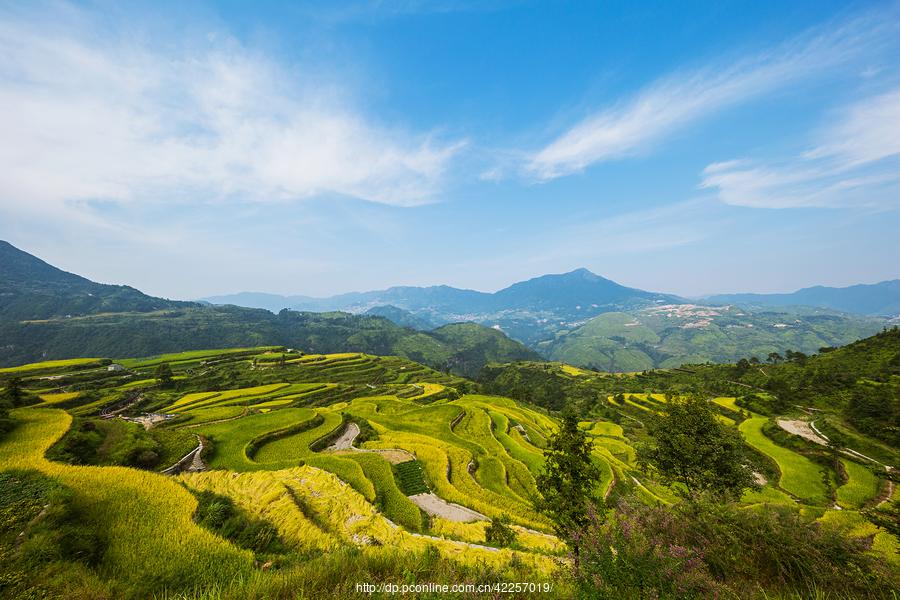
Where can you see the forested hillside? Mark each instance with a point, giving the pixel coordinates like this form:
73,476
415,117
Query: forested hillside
32,289
46,313
462,349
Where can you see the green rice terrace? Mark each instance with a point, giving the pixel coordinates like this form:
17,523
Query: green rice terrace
320,455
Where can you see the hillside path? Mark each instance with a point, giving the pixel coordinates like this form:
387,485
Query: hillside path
345,441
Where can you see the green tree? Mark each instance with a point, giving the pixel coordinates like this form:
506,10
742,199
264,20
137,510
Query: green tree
695,450
569,481
13,391
6,422
164,375
499,533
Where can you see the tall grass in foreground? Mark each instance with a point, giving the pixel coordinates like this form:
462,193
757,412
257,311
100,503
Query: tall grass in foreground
335,575
708,550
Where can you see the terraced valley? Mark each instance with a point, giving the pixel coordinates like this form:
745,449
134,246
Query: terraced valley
372,454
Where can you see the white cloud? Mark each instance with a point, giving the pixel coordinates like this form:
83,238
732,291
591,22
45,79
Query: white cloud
631,127
89,116
856,162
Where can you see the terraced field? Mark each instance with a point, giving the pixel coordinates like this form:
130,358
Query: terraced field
269,418
862,485
130,505
799,475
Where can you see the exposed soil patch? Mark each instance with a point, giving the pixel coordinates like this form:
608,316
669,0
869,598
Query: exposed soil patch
436,506
345,441
802,429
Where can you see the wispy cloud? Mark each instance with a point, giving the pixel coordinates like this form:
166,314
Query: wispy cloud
87,115
856,162
632,126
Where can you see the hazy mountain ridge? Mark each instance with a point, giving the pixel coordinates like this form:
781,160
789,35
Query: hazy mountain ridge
587,320
576,317
47,313
578,290
880,299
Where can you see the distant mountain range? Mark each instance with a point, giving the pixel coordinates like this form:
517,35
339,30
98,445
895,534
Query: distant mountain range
577,317
576,293
877,299
47,313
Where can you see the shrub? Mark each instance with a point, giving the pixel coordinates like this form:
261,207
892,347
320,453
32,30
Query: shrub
705,550
219,514
499,533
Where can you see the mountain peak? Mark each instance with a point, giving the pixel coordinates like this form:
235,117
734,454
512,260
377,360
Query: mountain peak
583,273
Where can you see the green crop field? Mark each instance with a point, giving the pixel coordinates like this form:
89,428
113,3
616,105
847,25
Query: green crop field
861,487
799,475
231,439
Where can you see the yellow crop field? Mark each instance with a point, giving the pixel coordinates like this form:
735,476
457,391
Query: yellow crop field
48,366
570,370
341,510
146,517
58,398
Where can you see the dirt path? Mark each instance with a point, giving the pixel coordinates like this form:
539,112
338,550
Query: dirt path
803,429
148,421
610,487
345,441
888,494
808,430
436,506
190,462
110,411
521,429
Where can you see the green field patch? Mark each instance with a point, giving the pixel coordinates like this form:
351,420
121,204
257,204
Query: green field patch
861,487
799,475
51,365
273,403
51,399
291,449
189,356
728,403
230,439
411,477
723,419
606,428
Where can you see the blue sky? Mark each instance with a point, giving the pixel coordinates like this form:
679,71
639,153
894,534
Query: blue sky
191,149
